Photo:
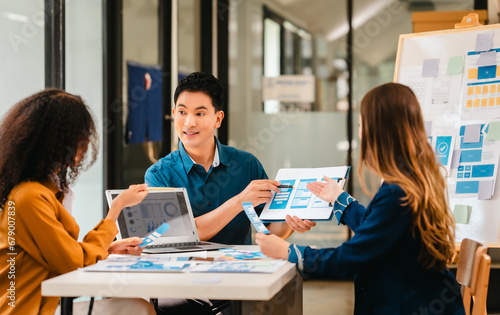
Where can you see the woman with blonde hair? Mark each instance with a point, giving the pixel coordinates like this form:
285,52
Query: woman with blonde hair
405,237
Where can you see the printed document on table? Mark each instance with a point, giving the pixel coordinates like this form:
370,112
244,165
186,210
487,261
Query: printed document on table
263,266
299,200
144,263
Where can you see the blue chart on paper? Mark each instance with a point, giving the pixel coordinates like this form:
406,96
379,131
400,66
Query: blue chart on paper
303,195
300,198
280,199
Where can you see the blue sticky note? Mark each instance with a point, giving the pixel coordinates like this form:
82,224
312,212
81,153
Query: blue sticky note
157,233
254,218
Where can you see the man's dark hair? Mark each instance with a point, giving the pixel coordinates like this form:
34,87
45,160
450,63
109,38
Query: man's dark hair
41,136
202,82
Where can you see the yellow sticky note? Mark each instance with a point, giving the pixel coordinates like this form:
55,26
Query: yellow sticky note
478,90
484,102
469,103
492,101
470,90
476,102
473,73
493,88
485,89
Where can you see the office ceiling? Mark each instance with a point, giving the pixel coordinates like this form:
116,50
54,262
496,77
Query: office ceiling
377,22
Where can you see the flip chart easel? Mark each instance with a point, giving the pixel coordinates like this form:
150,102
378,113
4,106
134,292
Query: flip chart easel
437,66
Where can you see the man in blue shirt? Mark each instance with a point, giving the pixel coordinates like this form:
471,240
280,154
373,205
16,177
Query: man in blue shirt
218,178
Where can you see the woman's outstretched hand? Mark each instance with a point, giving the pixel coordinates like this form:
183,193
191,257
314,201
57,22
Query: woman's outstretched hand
328,191
299,225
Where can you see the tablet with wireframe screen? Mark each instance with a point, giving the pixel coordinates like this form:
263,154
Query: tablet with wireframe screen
171,206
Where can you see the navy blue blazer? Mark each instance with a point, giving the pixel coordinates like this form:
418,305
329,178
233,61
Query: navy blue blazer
382,257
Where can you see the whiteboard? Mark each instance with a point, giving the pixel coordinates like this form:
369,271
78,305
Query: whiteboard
444,93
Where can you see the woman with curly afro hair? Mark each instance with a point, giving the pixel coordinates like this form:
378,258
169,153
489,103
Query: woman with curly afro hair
45,140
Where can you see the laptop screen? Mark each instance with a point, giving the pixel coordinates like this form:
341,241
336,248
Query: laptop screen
157,208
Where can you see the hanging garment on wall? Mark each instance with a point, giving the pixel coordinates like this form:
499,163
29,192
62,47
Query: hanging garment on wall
144,97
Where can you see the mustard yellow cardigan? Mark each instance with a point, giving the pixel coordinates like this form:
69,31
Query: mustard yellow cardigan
44,245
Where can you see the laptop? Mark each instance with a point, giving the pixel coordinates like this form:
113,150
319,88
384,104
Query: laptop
168,205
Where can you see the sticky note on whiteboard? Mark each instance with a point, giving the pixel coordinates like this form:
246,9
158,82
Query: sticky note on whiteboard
462,214
455,65
455,159
484,41
472,133
485,189
430,68
493,131
487,58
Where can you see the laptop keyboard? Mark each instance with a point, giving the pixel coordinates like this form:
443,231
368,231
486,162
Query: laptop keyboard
183,244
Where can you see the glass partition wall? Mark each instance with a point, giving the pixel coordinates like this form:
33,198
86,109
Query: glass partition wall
280,135
83,42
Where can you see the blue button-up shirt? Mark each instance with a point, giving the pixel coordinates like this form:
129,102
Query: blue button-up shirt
209,190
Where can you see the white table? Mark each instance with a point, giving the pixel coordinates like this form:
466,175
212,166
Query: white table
276,293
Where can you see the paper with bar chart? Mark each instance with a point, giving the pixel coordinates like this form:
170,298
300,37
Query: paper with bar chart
299,200
481,85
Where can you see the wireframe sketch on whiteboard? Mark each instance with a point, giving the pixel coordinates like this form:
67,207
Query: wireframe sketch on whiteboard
481,85
478,162
436,95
